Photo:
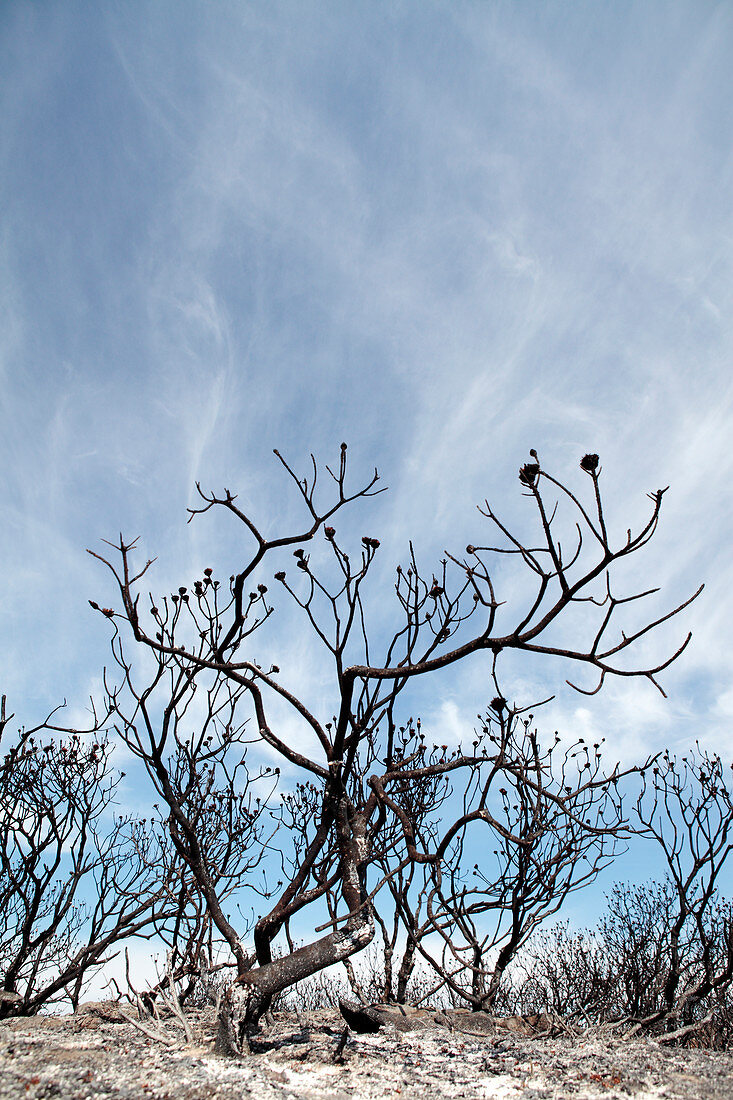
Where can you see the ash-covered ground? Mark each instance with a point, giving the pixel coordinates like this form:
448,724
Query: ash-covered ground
97,1054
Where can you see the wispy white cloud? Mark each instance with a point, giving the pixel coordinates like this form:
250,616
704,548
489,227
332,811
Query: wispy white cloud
444,237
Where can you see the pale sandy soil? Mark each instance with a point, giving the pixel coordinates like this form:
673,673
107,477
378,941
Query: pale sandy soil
88,1056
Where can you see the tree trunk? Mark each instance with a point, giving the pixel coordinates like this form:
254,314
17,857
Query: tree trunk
405,972
250,996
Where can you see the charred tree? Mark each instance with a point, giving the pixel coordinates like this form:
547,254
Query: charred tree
442,617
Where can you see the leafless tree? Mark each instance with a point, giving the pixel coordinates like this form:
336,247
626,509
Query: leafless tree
661,959
565,972
634,934
75,879
613,972
553,824
185,727
442,618
686,807
619,971
423,803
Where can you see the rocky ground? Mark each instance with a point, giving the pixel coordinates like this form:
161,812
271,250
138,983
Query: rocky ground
99,1054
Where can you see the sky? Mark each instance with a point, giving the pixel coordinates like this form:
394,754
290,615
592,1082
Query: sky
444,233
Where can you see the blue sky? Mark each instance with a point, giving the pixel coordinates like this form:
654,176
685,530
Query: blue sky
443,232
